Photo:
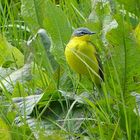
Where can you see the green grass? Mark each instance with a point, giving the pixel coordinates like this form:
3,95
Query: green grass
37,88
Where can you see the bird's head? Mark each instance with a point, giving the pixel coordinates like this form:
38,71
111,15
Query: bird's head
82,33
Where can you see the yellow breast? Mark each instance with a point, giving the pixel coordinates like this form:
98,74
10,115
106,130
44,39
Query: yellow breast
81,57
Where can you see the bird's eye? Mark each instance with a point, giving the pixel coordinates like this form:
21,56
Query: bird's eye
83,33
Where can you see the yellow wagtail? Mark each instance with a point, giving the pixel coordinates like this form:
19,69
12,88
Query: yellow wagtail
82,57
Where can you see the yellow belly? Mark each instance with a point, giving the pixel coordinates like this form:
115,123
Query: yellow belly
80,56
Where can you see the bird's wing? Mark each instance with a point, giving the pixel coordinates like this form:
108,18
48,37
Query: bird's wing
99,62
100,66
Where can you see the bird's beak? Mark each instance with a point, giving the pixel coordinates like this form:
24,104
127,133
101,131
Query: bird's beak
92,33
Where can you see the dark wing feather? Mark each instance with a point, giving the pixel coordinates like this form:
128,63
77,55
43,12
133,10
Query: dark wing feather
99,62
100,67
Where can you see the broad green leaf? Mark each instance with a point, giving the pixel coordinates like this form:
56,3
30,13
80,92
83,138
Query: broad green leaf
137,34
31,14
101,21
72,96
42,129
25,105
4,131
21,75
46,42
40,78
125,55
4,72
57,25
10,56
132,6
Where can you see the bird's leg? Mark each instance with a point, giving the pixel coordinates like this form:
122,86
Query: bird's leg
77,83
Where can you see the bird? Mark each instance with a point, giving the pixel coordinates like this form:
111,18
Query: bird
82,57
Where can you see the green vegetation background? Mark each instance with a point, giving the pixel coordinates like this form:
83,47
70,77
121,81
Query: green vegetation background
37,88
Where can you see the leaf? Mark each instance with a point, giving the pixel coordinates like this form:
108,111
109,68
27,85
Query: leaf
127,119
137,34
47,45
54,115
4,72
53,136
124,56
101,20
25,105
30,13
46,129
21,75
19,90
132,6
76,11
10,56
73,96
57,25
137,98
109,131
4,131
